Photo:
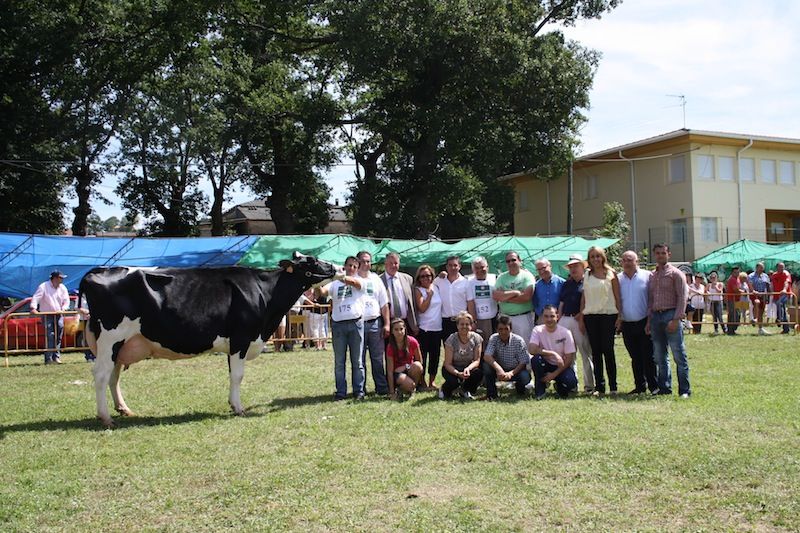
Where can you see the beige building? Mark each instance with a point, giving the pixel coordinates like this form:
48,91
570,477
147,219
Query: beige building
254,218
696,190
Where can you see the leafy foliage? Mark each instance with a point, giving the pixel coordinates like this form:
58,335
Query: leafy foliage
615,226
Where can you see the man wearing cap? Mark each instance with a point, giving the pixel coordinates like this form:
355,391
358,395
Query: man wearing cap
51,296
569,309
548,288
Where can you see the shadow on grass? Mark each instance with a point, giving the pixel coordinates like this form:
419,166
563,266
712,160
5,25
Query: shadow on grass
280,404
121,423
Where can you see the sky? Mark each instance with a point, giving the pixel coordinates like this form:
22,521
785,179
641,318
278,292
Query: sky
732,61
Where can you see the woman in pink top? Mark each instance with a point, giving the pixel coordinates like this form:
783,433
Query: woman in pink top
404,368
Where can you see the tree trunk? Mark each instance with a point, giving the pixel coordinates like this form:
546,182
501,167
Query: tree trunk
278,202
424,167
83,187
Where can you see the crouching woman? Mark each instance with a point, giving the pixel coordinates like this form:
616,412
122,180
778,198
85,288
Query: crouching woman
462,359
404,369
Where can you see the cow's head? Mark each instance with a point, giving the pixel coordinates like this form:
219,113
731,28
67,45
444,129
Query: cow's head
310,269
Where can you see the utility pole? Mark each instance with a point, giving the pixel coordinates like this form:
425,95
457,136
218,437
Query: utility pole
683,105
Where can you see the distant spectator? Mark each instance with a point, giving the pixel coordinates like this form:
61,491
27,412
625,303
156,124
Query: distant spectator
697,301
715,288
733,292
782,286
759,295
52,296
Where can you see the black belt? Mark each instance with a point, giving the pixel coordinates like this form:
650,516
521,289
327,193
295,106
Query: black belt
346,321
520,314
570,314
372,319
662,310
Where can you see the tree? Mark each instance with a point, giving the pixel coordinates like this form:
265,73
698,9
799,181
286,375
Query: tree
615,226
457,93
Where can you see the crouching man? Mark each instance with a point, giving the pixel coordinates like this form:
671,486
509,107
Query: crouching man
553,350
506,359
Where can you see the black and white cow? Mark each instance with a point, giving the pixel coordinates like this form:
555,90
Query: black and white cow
176,313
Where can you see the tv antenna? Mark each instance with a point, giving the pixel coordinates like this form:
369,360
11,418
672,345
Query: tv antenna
682,104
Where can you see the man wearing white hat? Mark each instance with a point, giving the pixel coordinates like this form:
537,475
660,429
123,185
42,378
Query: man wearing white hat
52,296
569,308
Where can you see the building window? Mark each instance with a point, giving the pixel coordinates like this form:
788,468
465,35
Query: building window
678,231
768,172
705,167
523,200
786,173
677,169
726,168
709,230
590,187
747,169
777,228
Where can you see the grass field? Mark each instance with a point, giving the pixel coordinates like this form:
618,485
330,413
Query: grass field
727,459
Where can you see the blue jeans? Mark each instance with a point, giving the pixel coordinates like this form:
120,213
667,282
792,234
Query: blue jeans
373,341
661,338
780,303
348,334
565,381
490,379
53,326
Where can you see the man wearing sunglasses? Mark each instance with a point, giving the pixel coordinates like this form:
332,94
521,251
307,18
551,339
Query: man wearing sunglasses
514,295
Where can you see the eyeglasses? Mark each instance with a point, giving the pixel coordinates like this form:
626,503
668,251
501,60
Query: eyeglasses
422,276
511,260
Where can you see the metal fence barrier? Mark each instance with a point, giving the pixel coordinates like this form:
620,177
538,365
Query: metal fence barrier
743,302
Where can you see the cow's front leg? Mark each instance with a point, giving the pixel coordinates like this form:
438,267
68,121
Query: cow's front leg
102,369
236,365
116,392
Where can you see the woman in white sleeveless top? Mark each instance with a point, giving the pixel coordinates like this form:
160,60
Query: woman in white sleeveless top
429,321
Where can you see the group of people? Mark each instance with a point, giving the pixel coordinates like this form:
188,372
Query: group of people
517,327
757,293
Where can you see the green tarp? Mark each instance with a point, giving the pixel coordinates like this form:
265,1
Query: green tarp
746,254
269,250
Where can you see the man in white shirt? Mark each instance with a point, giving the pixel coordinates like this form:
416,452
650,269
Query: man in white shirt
376,322
633,292
52,296
480,303
347,328
453,291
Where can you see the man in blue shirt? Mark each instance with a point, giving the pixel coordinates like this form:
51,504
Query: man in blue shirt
633,290
547,290
569,310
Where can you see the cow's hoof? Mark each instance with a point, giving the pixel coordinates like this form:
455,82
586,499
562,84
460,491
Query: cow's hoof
107,423
125,412
237,412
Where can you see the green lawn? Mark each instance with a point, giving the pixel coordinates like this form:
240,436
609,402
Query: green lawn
727,459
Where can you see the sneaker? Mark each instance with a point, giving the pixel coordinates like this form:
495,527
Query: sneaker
762,331
597,394
360,397
684,396
57,360
541,396
467,395
441,394
635,392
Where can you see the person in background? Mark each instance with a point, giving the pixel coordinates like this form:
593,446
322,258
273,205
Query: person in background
452,289
404,362
429,321
667,293
506,359
514,295
462,360
318,321
633,286
745,289
600,310
715,288
733,292
697,299
569,316
480,303
83,319
782,287
759,296
51,296
553,351
547,290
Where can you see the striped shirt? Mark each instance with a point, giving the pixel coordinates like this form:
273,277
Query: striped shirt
508,355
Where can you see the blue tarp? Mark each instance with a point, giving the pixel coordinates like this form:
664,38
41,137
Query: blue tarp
27,260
